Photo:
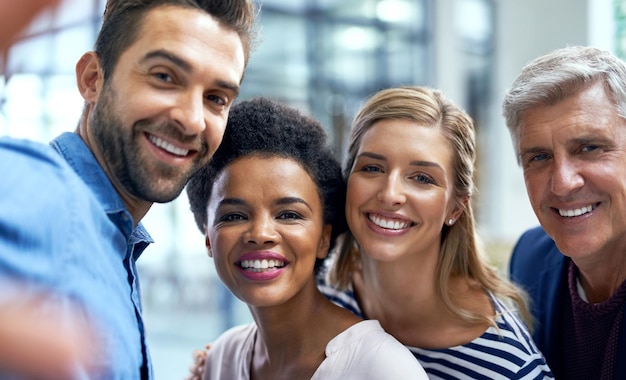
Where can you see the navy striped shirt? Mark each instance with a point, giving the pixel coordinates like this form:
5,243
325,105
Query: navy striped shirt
505,352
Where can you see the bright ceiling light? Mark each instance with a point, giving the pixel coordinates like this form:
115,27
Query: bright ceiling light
397,11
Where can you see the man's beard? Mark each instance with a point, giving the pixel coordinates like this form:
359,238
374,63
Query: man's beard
145,179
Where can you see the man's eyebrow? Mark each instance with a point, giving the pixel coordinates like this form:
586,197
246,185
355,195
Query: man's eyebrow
595,139
164,54
234,87
532,150
185,66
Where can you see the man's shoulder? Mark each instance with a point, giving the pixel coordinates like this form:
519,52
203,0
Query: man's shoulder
535,240
30,167
17,153
534,253
42,199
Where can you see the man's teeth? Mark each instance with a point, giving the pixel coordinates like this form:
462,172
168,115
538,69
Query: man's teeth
575,212
168,147
389,224
261,265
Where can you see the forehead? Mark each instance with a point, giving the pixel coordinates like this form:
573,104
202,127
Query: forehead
401,138
263,176
587,113
189,32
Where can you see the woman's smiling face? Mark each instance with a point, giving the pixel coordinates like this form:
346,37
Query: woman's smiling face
265,229
400,189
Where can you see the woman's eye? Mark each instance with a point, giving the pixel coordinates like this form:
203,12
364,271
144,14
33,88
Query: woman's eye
289,215
371,169
231,217
423,178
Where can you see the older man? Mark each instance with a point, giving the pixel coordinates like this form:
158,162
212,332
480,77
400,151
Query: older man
566,114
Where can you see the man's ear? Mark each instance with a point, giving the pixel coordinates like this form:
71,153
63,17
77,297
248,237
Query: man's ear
207,242
89,76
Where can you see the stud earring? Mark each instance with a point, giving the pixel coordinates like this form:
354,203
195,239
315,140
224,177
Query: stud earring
450,221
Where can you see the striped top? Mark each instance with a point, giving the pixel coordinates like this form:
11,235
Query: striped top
505,352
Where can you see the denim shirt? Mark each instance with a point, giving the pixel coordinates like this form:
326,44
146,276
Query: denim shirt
64,228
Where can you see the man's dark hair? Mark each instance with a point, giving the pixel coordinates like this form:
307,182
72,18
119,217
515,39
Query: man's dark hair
122,21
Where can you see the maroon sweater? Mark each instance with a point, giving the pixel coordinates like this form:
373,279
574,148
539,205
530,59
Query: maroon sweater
590,333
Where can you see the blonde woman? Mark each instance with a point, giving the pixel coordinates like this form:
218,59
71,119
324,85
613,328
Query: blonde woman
412,260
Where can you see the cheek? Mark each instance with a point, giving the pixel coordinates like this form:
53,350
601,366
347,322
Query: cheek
355,196
220,247
358,190
534,184
135,105
607,174
432,205
222,266
214,133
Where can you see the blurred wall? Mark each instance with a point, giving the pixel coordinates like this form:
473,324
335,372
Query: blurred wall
471,49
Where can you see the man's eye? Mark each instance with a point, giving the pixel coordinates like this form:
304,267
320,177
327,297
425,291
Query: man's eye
589,148
163,77
217,99
539,157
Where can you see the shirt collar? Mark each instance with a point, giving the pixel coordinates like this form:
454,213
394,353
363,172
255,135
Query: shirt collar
78,155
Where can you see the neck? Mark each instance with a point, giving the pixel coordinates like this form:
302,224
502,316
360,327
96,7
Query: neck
292,337
396,292
600,282
138,208
404,298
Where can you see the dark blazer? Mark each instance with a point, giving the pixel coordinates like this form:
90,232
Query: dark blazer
538,266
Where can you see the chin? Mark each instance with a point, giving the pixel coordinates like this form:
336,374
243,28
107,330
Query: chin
159,195
573,248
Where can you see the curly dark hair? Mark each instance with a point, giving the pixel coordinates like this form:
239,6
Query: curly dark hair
268,128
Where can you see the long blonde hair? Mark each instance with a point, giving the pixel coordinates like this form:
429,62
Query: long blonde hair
460,253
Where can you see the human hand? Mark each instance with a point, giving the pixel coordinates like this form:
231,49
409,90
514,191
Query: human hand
196,369
15,16
26,332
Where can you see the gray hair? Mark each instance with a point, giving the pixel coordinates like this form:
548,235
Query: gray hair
557,75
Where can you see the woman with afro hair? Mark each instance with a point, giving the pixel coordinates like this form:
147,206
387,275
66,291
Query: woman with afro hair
271,203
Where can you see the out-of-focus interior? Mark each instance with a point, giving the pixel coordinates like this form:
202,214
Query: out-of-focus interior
325,57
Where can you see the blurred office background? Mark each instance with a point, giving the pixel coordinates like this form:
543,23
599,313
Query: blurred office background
324,57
